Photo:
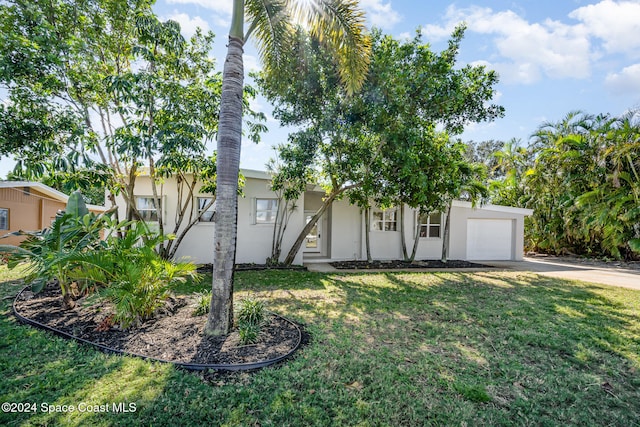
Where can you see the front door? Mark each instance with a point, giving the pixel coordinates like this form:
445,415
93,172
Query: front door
313,242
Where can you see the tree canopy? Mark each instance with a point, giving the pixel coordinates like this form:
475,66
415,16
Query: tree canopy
581,176
390,142
102,91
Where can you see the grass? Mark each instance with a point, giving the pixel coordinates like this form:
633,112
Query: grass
387,349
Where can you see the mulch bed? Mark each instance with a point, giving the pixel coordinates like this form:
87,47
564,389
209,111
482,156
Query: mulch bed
208,268
399,264
173,336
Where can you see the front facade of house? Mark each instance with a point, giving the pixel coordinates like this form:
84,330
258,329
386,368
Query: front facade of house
29,206
486,233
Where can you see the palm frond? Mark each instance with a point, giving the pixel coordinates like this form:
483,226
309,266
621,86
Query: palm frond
271,23
340,24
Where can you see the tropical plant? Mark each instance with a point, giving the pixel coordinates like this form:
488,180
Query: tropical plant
583,184
248,333
131,275
251,311
340,25
141,286
52,254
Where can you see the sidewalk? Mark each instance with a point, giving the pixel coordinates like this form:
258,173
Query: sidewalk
612,276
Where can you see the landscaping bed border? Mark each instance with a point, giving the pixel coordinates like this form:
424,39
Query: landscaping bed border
188,366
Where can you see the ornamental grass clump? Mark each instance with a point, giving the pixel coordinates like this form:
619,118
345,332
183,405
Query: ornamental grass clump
250,316
203,304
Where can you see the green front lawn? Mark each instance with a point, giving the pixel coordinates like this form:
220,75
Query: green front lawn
392,349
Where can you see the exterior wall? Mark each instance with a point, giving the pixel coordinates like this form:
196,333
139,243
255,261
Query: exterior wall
253,240
387,245
460,215
346,231
29,210
343,228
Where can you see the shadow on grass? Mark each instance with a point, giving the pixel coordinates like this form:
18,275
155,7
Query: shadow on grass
62,382
388,349
541,350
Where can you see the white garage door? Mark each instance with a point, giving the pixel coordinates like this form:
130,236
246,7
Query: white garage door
489,239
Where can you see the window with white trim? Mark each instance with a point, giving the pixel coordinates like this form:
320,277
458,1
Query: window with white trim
4,219
205,214
266,211
430,225
384,220
147,208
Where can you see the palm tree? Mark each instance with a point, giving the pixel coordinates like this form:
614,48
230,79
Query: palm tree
339,24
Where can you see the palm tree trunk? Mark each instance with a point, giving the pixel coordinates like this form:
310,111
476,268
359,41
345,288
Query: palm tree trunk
220,316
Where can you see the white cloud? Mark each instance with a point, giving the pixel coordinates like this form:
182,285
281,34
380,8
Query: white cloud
551,48
222,9
616,23
626,81
251,63
188,25
380,14
221,6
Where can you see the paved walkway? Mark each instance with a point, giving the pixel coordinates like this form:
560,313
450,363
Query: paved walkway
565,270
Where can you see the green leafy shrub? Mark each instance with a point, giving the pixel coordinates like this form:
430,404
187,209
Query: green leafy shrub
143,286
124,266
248,333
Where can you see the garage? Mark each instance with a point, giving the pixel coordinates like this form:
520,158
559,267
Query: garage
490,239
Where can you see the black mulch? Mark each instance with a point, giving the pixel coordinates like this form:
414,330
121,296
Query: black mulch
399,264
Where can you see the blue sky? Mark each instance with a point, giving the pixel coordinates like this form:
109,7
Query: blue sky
552,56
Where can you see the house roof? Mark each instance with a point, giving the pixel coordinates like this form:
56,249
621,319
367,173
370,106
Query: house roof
47,191
252,173
496,208
258,174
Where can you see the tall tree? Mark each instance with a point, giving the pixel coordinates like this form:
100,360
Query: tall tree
340,25
410,92
349,143
100,89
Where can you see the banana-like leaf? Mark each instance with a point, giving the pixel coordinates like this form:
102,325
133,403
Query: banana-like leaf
38,285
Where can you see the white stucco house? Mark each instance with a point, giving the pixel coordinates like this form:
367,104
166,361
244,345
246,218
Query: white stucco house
483,233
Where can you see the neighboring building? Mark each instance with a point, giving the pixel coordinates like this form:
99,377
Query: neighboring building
485,233
29,206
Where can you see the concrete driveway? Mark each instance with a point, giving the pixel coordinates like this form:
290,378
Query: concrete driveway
625,278
605,275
